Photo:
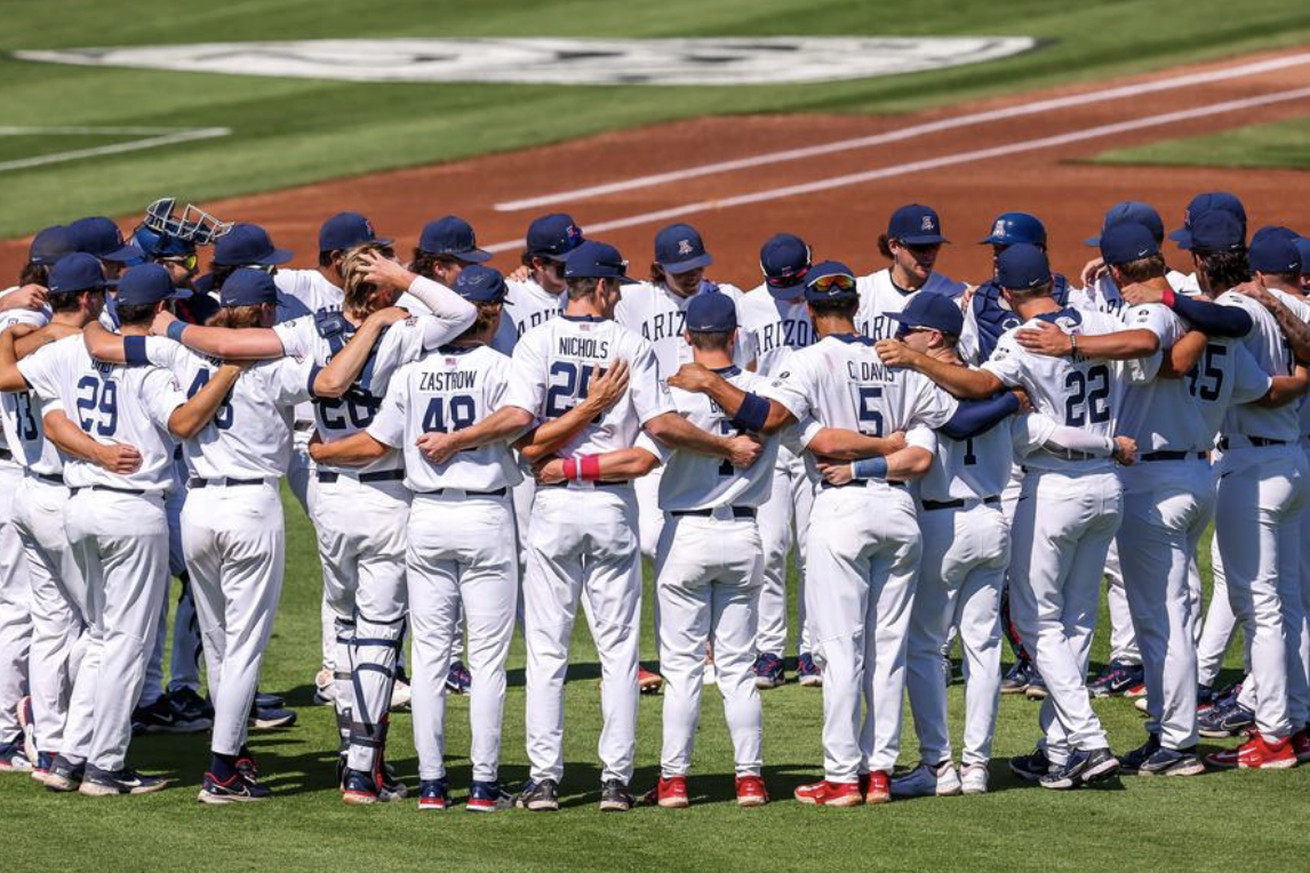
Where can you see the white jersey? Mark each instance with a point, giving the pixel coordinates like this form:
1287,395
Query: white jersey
526,305
448,390
1103,295
310,289
20,411
979,468
112,403
772,327
250,435
694,481
1077,393
1225,375
842,383
1269,347
554,364
879,296
1160,414
659,316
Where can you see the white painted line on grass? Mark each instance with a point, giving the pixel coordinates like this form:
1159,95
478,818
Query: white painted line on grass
971,119
154,137
934,163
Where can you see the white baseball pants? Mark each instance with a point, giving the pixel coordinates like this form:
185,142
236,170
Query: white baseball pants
1220,622
583,543
234,538
1062,529
789,504
965,554
301,480
1123,640
708,582
120,543
862,559
460,561
15,608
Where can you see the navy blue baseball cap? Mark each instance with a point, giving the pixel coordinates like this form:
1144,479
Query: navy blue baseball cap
930,309
596,260
146,283
247,287
1022,267
679,249
50,245
480,284
1216,231
1303,249
1010,228
1207,202
346,230
915,225
75,272
1274,253
1273,230
1131,212
452,236
1126,242
553,236
96,235
785,260
711,312
830,280
247,245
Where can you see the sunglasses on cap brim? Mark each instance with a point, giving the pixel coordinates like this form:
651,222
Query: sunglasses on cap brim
839,281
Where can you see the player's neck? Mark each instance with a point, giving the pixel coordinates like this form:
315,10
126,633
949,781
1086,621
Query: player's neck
946,354
1037,306
1279,285
583,308
830,325
904,281
134,329
74,319
714,359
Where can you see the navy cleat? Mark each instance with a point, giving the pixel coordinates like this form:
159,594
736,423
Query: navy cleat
1225,720
109,783
358,788
1036,689
1082,768
1031,767
768,671
235,789
1117,678
458,679
1172,762
1017,679
615,796
540,796
1132,762
488,797
190,706
41,766
13,759
264,718
64,775
433,794
268,701
161,718
807,672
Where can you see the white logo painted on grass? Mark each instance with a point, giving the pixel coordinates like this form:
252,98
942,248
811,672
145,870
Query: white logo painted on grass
561,61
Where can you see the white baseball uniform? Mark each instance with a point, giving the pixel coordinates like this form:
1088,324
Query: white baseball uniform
772,327
1068,512
864,547
583,538
458,557
879,295
15,601
708,570
118,531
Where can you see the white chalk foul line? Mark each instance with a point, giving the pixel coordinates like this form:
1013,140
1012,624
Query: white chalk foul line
935,163
153,137
916,130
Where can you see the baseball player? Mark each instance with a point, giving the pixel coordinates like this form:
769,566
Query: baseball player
912,242
774,321
1067,515
583,541
458,558
116,523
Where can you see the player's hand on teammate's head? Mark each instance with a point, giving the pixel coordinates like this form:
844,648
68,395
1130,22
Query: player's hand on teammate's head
437,447
743,450
836,472
549,472
1125,450
1025,402
30,296
692,377
118,458
1045,338
385,272
521,273
1092,270
1138,294
608,385
163,318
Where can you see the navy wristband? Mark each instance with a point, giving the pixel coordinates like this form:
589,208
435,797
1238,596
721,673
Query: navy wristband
134,351
175,330
870,468
752,414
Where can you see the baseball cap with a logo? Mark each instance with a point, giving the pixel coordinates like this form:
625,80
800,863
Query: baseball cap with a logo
830,280
596,260
784,260
916,225
76,272
1022,267
553,236
711,312
247,245
96,235
452,236
1208,202
146,283
932,310
479,284
1124,243
1274,254
346,230
679,249
1131,212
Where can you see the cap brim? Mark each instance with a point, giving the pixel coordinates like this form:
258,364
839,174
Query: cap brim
473,256
1093,241
1183,237
181,294
688,265
127,253
279,256
923,239
550,256
992,241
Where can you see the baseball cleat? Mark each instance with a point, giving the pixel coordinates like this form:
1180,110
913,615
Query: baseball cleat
1171,762
1205,697
267,719
648,682
108,783
1116,678
401,694
751,791
41,766
1142,705
1300,746
13,759
190,707
670,793
246,764
325,687
876,786
1017,679
973,779
265,700
1083,768
807,672
359,788
235,789
160,717
488,797
1257,753
1036,689
64,775
927,780
1032,766
28,723
1137,692
1131,762
392,788
458,679
540,796
615,797
825,793
768,671
1225,720
433,795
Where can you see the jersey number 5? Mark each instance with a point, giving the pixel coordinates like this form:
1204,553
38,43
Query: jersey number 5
1089,396
870,416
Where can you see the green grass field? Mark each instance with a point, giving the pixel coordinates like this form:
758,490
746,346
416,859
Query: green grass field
289,132
1278,145
1214,821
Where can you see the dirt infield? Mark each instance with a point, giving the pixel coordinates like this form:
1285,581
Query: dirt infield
968,161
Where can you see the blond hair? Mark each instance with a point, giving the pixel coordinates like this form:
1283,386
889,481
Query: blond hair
358,291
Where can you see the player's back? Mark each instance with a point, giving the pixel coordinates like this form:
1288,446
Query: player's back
1266,343
975,468
772,327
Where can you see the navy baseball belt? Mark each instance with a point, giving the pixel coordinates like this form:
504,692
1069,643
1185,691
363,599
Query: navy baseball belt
1172,456
958,503
225,481
737,512
137,492
377,476
1259,442
52,478
438,492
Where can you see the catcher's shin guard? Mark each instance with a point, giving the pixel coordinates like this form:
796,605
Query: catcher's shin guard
373,670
